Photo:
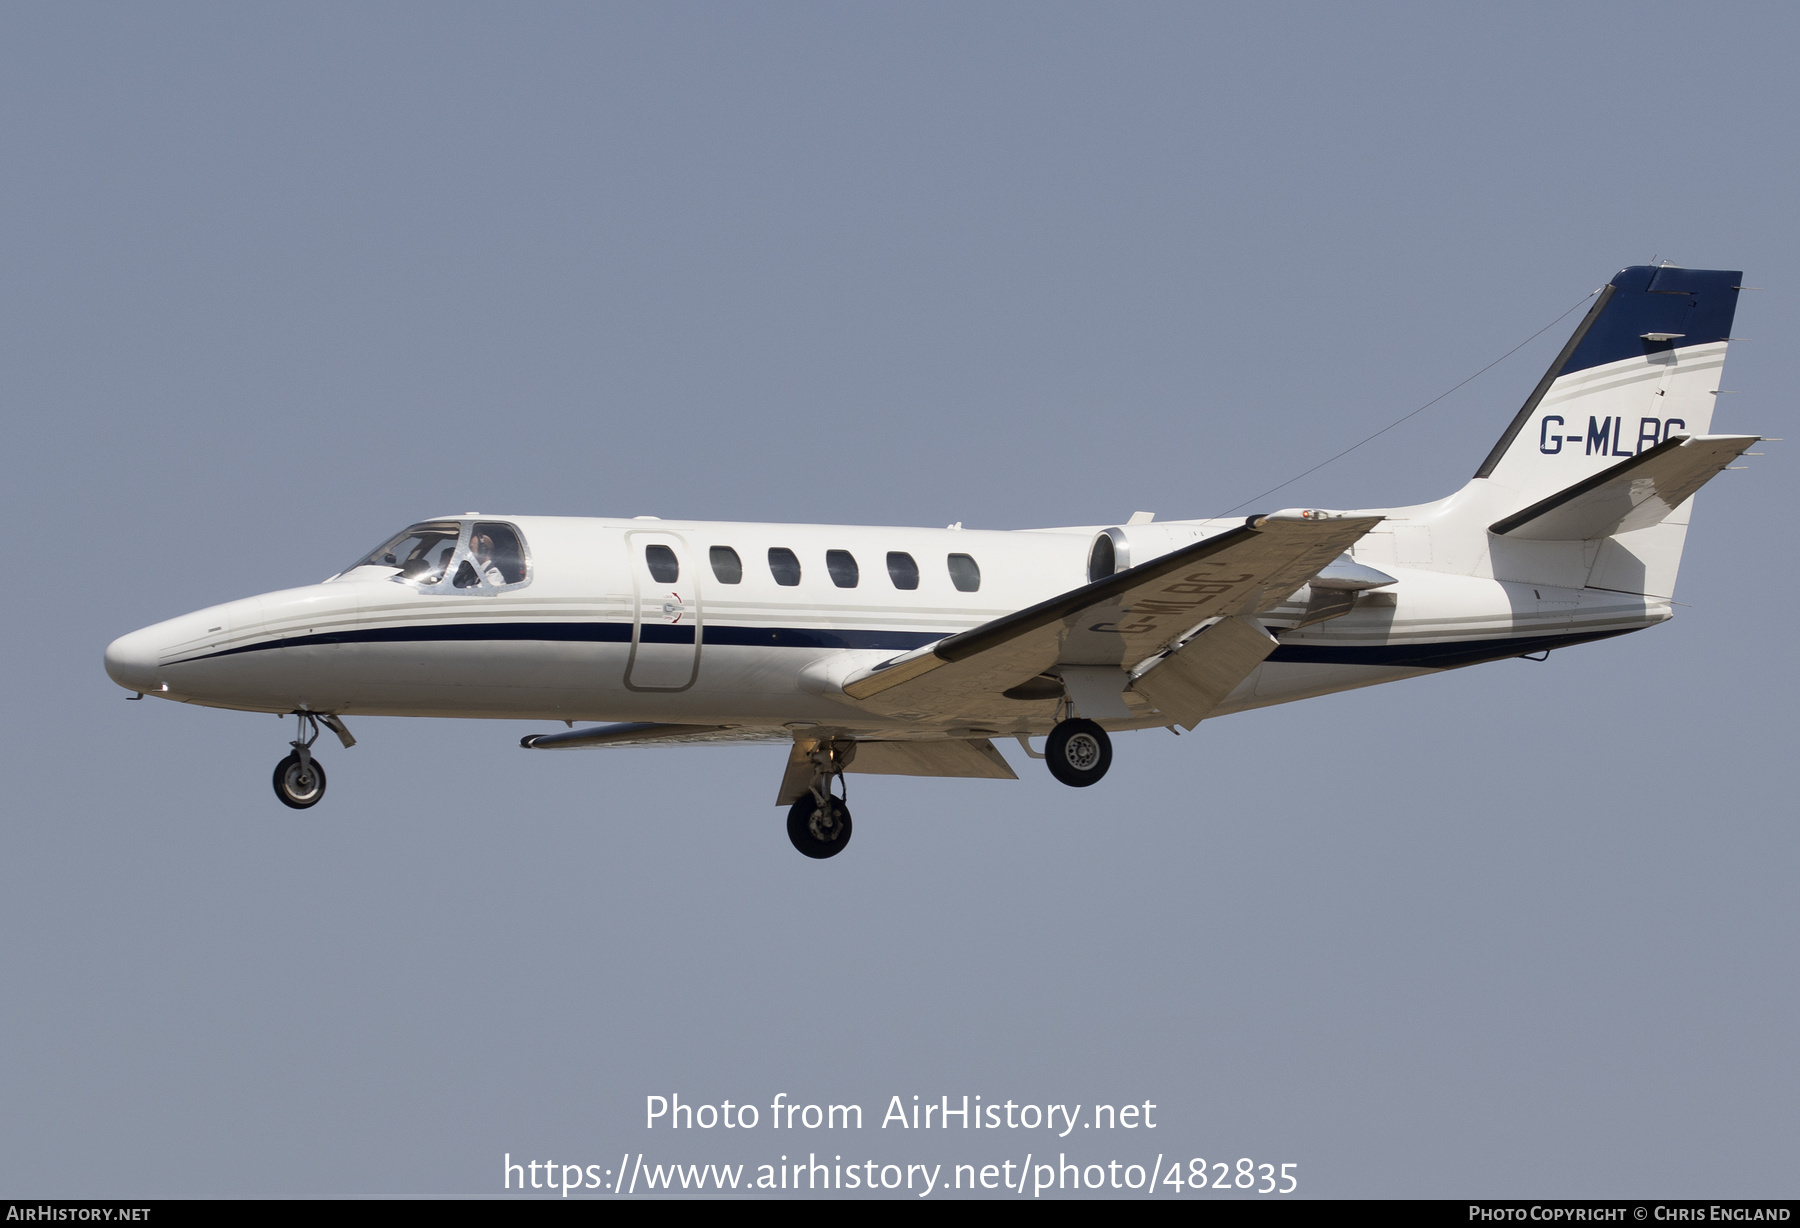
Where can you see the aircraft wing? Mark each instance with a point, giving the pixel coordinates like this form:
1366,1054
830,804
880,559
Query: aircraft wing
649,733
1634,494
970,757
1112,624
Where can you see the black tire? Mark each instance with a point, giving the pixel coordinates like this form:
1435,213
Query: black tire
819,831
294,787
1078,753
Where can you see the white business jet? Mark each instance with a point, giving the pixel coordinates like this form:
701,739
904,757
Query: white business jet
907,651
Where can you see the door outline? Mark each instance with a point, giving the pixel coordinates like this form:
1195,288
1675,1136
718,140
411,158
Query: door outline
635,541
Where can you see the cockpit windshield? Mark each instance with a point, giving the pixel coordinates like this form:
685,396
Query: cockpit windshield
454,555
422,553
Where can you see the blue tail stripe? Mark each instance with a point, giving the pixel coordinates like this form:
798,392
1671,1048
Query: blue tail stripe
1697,303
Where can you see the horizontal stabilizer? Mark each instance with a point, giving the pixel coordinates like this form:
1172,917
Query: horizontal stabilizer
1634,494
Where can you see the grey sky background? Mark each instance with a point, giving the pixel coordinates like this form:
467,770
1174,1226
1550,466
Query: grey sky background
282,279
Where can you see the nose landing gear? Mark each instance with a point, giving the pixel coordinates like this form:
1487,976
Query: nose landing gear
819,823
299,778
299,783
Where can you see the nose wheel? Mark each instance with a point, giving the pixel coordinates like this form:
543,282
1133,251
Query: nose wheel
1078,752
299,783
299,778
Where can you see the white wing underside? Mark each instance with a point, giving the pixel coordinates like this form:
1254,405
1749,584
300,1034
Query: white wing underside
645,733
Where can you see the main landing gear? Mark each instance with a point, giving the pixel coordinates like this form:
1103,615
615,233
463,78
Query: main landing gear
1078,752
819,823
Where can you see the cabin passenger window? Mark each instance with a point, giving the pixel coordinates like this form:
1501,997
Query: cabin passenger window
726,565
664,567
965,573
902,570
784,566
842,566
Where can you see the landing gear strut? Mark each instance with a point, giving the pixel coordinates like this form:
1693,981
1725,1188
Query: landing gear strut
819,823
1078,752
299,780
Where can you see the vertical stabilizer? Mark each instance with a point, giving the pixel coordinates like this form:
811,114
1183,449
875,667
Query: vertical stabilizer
1642,366
1642,369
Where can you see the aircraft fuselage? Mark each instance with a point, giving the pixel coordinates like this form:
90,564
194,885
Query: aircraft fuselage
592,635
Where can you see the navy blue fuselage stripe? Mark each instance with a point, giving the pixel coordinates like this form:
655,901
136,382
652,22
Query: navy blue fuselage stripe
604,633
811,637
1437,656
587,633
1422,656
1697,303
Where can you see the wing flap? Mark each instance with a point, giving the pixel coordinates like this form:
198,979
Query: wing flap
1634,494
1194,679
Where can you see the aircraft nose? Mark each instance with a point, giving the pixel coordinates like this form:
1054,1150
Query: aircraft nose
131,660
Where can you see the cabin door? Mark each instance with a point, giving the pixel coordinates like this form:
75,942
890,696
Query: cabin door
665,633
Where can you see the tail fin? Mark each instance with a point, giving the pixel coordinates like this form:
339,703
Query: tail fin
1641,370
1641,367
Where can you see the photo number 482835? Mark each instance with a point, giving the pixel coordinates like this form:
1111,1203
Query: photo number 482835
1245,1175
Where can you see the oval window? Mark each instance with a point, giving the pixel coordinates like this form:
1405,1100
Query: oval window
784,566
965,573
842,566
902,570
664,567
726,564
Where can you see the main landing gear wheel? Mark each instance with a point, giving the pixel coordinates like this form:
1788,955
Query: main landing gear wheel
299,783
819,829
1078,752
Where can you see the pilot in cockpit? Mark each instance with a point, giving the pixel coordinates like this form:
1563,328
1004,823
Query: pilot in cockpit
483,550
